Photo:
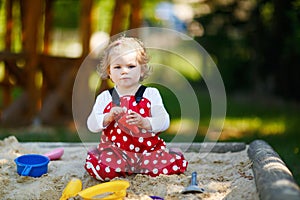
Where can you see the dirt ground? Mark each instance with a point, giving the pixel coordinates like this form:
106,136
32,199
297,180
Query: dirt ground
221,175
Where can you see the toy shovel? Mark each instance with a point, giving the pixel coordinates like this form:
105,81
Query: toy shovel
55,154
72,188
193,187
113,190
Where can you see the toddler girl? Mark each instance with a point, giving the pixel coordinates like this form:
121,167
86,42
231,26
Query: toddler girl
131,117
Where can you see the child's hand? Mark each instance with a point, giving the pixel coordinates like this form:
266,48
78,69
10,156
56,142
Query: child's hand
134,118
113,114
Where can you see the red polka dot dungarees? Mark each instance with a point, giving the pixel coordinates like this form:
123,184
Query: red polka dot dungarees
127,150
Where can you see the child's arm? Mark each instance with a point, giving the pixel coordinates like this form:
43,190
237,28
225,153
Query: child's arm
95,121
159,119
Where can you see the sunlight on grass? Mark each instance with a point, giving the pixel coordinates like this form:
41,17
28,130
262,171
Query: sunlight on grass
240,127
185,126
233,127
177,62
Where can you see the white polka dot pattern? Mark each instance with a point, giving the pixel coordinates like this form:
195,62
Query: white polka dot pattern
124,150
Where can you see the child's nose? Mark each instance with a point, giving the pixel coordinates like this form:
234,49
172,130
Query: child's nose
124,70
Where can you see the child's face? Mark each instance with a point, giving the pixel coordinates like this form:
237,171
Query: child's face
124,70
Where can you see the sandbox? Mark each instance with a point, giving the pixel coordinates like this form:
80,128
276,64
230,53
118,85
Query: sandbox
227,171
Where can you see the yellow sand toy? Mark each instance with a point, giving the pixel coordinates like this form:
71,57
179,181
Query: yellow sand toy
73,187
113,190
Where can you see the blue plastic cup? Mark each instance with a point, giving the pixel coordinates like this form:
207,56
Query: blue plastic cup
33,165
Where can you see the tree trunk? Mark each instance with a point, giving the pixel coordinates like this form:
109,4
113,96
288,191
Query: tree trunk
47,25
118,17
135,20
85,26
24,109
31,29
9,23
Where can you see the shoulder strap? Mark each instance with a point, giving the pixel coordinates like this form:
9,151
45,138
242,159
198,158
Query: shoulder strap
115,96
138,95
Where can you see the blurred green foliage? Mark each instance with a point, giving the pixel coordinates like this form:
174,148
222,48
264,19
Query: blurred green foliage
66,13
255,45
103,12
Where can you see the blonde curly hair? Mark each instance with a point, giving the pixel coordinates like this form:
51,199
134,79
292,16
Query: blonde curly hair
121,46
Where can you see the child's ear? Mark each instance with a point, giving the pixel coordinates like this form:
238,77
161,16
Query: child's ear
108,72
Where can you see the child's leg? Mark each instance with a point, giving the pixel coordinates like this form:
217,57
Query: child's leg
105,165
162,162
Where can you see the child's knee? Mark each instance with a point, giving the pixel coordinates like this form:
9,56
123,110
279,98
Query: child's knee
101,171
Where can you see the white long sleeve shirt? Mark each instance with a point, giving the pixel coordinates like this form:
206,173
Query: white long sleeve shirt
159,118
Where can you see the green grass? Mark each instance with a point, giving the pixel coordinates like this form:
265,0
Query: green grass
41,134
247,119
277,124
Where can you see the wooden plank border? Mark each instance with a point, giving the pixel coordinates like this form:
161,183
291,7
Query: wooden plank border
209,147
273,179
205,147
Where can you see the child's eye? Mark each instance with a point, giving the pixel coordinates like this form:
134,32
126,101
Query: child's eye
117,67
132,66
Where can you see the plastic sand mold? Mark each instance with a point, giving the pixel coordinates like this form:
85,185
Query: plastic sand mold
33,165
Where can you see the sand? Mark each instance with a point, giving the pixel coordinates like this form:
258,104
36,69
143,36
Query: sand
222,175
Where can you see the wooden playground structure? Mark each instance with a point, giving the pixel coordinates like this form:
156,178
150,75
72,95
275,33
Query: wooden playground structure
49,102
